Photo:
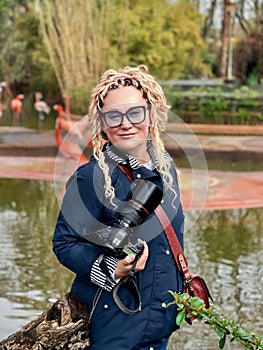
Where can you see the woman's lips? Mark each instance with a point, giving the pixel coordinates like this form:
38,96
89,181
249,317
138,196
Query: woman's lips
127,136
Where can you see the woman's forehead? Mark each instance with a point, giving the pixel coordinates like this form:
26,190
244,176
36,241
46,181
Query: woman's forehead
124,95
123,107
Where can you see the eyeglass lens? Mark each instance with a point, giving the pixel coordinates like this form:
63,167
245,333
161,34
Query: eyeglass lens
135,115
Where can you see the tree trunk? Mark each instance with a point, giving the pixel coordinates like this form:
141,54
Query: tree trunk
225,37
63,326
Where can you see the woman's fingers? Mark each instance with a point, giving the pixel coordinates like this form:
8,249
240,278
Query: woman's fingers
143,258
124,266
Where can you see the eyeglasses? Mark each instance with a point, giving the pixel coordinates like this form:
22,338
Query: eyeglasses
135,115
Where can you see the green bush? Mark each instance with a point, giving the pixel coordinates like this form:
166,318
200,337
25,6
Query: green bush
219,104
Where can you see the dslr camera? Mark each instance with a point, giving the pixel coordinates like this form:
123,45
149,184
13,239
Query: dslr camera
116,240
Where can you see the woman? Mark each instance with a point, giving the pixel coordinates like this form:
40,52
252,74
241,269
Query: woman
128,109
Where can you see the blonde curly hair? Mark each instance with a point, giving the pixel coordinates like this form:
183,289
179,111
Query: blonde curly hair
154,95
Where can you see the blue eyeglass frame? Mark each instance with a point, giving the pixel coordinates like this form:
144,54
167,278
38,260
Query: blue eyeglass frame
104,114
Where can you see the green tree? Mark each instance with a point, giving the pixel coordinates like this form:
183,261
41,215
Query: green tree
37,71
11,51
23,56
84,38
166,37
80,39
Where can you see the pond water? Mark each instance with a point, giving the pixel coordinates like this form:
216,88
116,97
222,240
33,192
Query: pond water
226,247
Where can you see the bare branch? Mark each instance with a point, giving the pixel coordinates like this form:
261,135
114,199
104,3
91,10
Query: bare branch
209,18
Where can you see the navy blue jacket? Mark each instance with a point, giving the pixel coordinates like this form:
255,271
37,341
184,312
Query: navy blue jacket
84,209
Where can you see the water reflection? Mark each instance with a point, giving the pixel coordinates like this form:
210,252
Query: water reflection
30,276
224,246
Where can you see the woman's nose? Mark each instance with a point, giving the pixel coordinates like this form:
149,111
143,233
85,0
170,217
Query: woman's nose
125,122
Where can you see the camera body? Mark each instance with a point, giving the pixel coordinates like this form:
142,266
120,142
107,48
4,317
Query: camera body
116,240
135,249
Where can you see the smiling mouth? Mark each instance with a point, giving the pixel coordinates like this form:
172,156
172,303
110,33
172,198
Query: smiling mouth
127,135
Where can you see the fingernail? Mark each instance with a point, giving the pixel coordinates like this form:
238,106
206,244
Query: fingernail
131,257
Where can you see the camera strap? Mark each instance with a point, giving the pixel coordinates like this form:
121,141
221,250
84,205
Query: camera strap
129,283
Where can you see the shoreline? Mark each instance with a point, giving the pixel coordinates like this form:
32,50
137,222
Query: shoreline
33,154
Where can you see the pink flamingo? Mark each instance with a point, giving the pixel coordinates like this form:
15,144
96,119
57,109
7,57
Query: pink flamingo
3,84
68,124
76,128
16,108
41,106
68,149
67,107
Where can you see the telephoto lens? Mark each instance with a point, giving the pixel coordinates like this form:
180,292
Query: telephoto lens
146,196
116,240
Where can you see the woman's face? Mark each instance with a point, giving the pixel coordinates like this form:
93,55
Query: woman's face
132,123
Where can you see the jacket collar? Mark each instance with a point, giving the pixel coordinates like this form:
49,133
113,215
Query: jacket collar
115,155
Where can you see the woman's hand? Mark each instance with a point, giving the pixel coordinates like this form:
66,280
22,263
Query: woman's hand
124,266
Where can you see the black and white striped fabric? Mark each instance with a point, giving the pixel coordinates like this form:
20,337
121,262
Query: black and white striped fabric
120,157
100,278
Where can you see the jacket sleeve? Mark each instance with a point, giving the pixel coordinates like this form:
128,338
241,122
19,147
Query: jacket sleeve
103,280
81,208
